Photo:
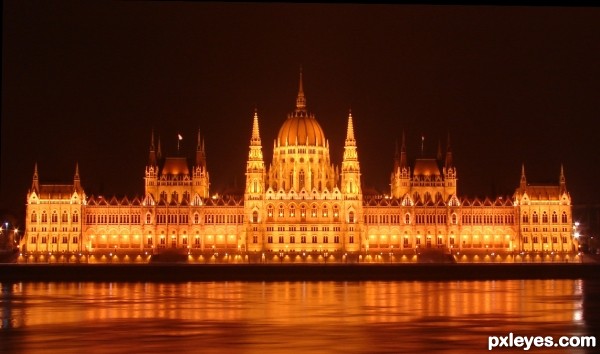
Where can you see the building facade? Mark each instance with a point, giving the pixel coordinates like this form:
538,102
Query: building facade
299,208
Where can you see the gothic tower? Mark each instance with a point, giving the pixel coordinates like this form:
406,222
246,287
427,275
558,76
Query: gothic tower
255,185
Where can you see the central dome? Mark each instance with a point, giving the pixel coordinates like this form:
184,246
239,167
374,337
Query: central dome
300,128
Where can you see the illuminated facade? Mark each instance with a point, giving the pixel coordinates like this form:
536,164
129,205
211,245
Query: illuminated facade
301,208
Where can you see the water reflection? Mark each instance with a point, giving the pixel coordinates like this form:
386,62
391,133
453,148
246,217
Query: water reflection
323,317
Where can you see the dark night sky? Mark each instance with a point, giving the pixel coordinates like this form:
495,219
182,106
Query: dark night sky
88,81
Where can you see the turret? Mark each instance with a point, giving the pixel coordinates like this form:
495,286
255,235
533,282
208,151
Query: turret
200,177
350,165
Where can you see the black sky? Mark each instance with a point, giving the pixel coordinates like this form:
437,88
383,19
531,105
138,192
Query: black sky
88,81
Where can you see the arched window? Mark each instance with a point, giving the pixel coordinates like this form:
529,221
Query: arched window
148,218
281,210
535,218
196,218
301,179
554,217
163,195
407,218
314,211
270,211
44,216
303,211
186,195
564,217
255,186
75,217
325,212
174,197
65,217
336,213
255,216
545,218
454,219
525,218
351,217
292,211
54,217
33,216
292,179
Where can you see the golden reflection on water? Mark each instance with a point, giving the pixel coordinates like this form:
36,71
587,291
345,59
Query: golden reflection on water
325,317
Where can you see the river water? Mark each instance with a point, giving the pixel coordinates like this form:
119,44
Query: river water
293,317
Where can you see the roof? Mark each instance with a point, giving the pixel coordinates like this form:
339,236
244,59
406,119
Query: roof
301,129
426,167
541,192
56,191
175,166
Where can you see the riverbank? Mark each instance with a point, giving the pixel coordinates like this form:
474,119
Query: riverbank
291,272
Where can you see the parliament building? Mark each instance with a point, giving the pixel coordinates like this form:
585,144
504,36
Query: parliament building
299,208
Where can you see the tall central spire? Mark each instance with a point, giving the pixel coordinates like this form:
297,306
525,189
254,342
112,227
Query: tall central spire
300,101
255,140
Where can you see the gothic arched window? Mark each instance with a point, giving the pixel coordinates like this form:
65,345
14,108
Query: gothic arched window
33,216
535,218
301,179
564,217
545,218
554,217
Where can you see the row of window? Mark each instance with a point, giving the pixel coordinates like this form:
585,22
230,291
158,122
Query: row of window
112,219
535,239
441,219
54,239
536,219
54,217
54,229
314,212
303,239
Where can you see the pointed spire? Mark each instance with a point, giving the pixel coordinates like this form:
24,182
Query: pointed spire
35,186
403,159
76,180
200,153
448,163
300,101
255,140
562,180
152,152
523,178
159,150
350,132
76,177
198,143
